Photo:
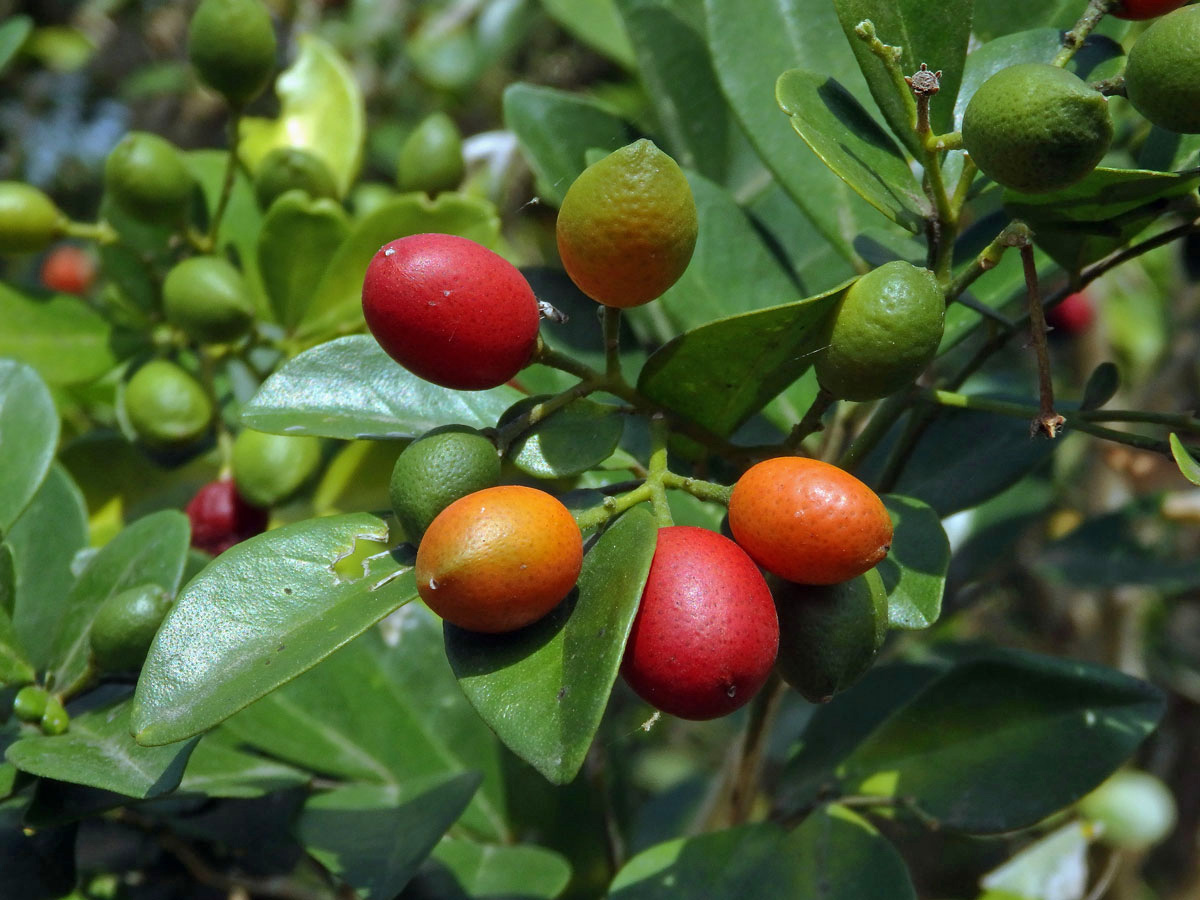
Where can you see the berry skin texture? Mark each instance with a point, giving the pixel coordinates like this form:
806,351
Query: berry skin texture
808,521
29,220
883,333
705,636
220,517
271,468
1162,72
125,626
1036,128
450,311
627,226
146,175
499,559
68,269
1146,9
437,469
166,406
231,44
208,299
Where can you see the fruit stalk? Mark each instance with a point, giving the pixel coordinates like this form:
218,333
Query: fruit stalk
612,341
659,434
235,119
1048,422
1078,35
811,421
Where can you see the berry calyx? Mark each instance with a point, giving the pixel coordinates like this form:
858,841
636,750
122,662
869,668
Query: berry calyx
499,559
165,406
808,521
231,44
290,169
450,311
29,220
220,517
269,469
628,226
68,269
208,299
431,158
125,625
1145,9
435,470
146,175
706,634
1162,72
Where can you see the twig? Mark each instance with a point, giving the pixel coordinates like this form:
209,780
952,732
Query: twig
1074,39
1047,422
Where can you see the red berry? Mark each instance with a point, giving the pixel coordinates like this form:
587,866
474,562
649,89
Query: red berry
706,634
1146,9
450,311
1073,316
221,518
68,269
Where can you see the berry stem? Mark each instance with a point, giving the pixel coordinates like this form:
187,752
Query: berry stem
811,422
1047,422
698,488
891,56
235,119
744,783
1078,35
612,507
659,435
1011,236
612,342
100,232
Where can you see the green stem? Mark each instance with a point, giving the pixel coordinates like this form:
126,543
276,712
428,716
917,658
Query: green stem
85,680
1047,421
890,57
1078,35
698,488
658,470
612,507
764,709
989,257
811,421
235,118
100,232
539,412
877,427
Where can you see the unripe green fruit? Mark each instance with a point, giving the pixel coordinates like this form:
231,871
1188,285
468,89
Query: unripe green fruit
883,332
829,634
1136,809
1036,128
30,703
146,175
270,468
1162,74
29,220
208,299
55,719
125,626
431,159
437,469
289,169
232,45
166,406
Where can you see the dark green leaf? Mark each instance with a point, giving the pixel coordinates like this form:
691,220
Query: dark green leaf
572,440
98,752
150,551
13,33
374,838
349,388
992,21
1187,463
218,769
595,23
62,337
299,237
1166,151
543,689
28,437
914,571
471,870
722,373
1102,385
262,613
1002,741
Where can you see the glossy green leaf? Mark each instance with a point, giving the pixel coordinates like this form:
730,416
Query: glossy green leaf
722,373
1166,151
43,541
932,33
556,129
97,751
14,666
217,768
1001,741
336,305
66,340
298,239
28,437
341,719
373,837
13,34
150,551
463,869
1187,463
597,24
914,571
1052,867
543,689
263,612
572,440
845,137
321,111
992,21
349,388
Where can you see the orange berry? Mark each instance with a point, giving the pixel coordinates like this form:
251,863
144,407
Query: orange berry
68,269
499,559
807,521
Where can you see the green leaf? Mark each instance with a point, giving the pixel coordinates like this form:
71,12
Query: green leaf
597,24
259,615
1102,385
341,719
1167,151
13,33
374,838
298,239
98,752
150,551
336,304
852,144
14,667
349,388
543,689
1051,867
28,437
62,337
1187,463
571,440
914,571
556,129
936,34
991,21
465,870
1002,741
321,111
722,373
217,768
43,541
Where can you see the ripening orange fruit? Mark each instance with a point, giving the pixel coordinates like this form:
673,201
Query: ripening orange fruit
808,521
499,559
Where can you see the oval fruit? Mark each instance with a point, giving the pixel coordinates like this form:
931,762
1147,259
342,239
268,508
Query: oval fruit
292,169
450,311
220,517
807,521
68,269
146,175
30,703
125,626
431,158
499,559
1145,9
208,299
166,406
1136,809
706,634
29,220
1036,128
435,470
883,332
231,44
628,225
270,468
1162,72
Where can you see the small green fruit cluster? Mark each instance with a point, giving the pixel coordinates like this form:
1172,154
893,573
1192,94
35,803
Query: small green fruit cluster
29,220
34,704
231,45
165,406
124,627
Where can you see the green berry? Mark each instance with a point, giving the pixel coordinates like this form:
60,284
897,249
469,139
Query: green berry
431,159
437,469
208,299
146,175
29,220
55,719
231,44
125,626
166,406
270,468
1135,808
1162,74
30,703
288,169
